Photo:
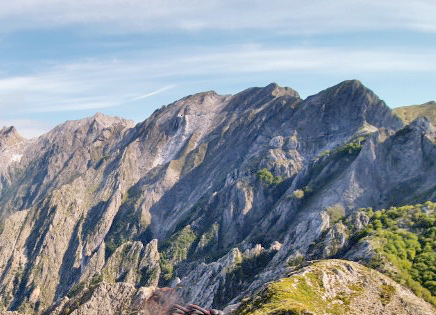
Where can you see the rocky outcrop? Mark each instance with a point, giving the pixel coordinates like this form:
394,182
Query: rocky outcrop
118,298
334,287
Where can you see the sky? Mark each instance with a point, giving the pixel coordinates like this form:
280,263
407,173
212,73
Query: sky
68,59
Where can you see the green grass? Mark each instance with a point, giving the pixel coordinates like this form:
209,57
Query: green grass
409,113
294,295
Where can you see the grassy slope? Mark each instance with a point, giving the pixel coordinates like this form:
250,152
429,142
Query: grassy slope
409,113
334,287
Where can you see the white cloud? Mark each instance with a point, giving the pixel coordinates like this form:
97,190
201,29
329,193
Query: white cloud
141,97
94,102
283,15
102,84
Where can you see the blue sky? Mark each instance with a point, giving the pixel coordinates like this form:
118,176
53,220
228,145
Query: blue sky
67,59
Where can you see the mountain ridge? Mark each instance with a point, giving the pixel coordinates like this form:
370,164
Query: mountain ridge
202,184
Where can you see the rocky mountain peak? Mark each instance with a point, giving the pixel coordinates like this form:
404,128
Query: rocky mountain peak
204,102
7,130
9,136
277,90
85,128
353,99
107,121
349,89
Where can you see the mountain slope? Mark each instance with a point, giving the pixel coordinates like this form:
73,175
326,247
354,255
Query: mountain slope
409,113
203,185
335,287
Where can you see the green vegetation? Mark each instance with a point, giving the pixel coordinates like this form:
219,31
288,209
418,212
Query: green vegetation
118,234
298,193
207,240
294,295
265,176
75,290
296,261
175,250
83,291
405,238
247,268
352,147
167,269
336,213
241,275
112,244
325,153
387,291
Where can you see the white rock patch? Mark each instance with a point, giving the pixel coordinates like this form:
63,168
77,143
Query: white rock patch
16,158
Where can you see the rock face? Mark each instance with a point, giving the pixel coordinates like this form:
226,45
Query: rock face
335,287
213,194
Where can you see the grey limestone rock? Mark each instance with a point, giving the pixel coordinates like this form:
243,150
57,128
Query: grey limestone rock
180,194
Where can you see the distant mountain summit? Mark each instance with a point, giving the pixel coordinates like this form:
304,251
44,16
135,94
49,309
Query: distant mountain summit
9,136
212,196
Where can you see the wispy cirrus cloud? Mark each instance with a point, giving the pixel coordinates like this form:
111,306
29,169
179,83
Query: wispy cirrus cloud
64,59
98,84
284,15
93,102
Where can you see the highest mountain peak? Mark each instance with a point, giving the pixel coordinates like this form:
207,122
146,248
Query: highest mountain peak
347,104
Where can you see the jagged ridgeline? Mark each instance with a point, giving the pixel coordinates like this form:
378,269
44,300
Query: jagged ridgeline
213,197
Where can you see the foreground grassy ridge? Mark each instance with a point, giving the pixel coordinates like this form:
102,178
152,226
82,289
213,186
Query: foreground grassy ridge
295,295
404,239
334,287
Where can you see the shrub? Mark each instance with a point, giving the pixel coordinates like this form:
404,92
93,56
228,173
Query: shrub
298,193
264,175
405,238
336,213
